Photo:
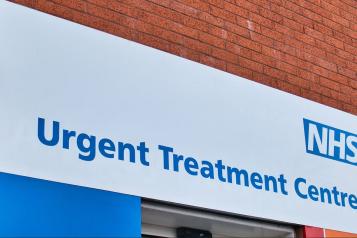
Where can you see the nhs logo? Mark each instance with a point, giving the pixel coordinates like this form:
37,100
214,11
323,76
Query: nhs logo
330,142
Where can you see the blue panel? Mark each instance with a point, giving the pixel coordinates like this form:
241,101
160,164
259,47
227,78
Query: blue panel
33,207
349,144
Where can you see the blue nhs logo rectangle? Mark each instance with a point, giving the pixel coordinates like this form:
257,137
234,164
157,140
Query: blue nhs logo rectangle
330,142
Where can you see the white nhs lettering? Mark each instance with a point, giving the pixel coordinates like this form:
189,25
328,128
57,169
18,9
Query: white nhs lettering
330,142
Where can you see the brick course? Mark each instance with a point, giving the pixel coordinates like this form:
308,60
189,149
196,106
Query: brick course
304,47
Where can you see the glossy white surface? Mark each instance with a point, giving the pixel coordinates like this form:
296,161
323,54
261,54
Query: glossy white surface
106,86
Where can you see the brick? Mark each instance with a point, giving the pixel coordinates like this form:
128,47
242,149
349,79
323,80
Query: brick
343,37
224,55
337,60
261,39
309,76
121,8
235,9
347,72
261,20
341,79
196,24
332,41
262,78
311,95
287,67
217,31
319,10
240,71
252,26
329,83
329,7
291,41
321,62
249,44
248,5
267,13
353,98
105,25
79,5
319,70
313,50
284,48
263,59
102,12
331,24
328,47
213,62
349,108
350,49
205,16
272,52
323,29
296,61
298,81
152,41
330,102
312,15
274,72
287,87
249,64
281,10
303,20
293,7
345,98
178,6
261,3
345,55
217,3
157,10
212,40
353,84
347,15
351,32
197,45
313,33
304,38
284,29
238,50
316,2
111,15
185,52
349,2
351,65
293,25
346,89
340,20
199,5
272,34
236,29
353,27
169,25
221,13
317,88
232,37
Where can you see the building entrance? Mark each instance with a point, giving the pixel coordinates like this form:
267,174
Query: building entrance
167,221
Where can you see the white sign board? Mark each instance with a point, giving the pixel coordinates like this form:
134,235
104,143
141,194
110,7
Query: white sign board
83,107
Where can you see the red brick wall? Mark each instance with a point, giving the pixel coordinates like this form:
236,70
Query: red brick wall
305,47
